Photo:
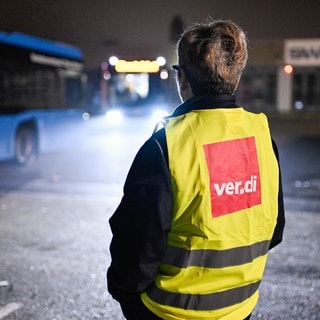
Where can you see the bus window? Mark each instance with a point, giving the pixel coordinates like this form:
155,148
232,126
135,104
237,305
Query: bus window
74,92
41,81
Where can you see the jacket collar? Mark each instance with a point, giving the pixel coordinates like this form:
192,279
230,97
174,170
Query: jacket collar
205,102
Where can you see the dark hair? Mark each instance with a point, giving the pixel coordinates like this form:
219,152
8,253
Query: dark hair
213,56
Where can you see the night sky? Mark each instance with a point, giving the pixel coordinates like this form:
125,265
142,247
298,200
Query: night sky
141,28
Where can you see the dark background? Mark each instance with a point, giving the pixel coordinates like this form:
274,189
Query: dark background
105,27
54,231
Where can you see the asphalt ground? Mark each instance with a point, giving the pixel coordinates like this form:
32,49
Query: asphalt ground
73,285
57,271
291,286
298,140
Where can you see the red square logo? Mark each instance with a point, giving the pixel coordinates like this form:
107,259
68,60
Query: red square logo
234,175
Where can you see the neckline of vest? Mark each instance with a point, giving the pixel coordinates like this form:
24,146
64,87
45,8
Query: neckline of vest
205,102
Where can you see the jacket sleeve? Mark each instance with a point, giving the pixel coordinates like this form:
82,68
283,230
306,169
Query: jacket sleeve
140,223
278,232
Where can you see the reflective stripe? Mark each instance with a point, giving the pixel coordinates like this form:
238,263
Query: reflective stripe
208,258
203,302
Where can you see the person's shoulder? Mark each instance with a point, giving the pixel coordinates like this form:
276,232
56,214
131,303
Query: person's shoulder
154,144
160,136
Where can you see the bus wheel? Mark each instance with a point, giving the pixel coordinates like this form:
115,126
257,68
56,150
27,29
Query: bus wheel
25,145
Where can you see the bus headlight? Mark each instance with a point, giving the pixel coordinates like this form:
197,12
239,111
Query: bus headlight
114,116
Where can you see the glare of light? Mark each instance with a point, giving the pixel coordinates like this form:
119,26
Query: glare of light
288,69
159,114
129,77
164,74
302,184
113,60
161,61
86,116
114,116
106,75
142,87
298,105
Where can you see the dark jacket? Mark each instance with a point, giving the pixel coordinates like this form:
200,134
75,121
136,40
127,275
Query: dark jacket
141,222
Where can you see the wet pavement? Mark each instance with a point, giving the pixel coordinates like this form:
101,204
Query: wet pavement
56,271
291,286
55,237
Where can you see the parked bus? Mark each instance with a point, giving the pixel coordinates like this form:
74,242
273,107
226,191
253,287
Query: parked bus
42,95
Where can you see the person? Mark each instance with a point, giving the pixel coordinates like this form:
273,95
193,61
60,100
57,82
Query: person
202,202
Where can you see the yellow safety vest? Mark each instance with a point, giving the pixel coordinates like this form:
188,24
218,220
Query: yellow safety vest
224,177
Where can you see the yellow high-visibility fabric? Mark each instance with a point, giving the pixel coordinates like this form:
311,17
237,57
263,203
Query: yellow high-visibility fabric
200,228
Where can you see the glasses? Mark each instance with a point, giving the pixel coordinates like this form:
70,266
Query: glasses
176,67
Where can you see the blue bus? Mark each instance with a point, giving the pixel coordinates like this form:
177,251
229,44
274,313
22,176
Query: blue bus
42,95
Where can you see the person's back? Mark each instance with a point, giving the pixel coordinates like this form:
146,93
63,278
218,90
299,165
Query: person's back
218,200
224,214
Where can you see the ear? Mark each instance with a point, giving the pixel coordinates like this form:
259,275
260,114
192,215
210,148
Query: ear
185,91
183,81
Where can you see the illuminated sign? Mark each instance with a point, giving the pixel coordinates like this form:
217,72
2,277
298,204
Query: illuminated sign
302,52
54,61
137,66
